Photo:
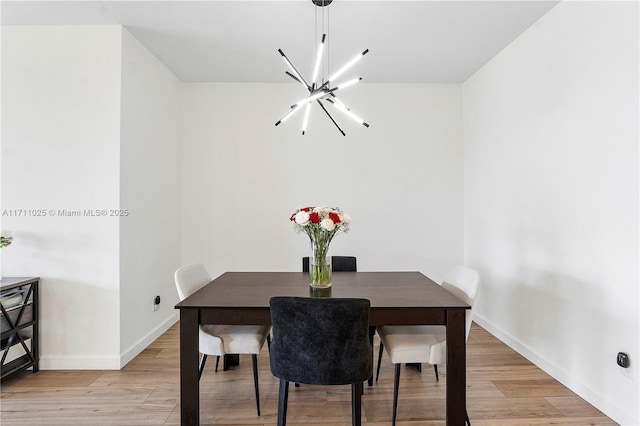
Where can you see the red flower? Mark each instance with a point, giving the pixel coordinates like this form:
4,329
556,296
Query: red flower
293,218
334,217
314,217
306,209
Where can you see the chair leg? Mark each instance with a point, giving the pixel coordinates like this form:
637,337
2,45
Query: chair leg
229,360
467,418
435,368
356,403
283,397
203,360
254,361
416,365
217,362
379,360
396,385
372,333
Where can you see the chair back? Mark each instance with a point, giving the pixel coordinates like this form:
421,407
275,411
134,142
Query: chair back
463,282
338,264
320,341
190,278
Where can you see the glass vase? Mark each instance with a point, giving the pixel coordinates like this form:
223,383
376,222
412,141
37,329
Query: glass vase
319,267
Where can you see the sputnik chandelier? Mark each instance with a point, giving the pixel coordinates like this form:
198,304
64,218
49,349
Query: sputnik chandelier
321,90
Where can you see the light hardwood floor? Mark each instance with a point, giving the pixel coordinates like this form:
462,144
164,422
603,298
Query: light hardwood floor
503,388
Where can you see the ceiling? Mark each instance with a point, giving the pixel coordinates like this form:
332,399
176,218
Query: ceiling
238,41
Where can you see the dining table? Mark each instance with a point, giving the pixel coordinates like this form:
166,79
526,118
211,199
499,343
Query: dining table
397,298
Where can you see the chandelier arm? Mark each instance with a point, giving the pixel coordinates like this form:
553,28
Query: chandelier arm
341,85
290,113
312,97
293,68
316,67
305,121
294,77
347,111
348,65
334,121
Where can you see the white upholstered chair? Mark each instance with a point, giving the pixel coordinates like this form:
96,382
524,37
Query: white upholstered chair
221,339
417,344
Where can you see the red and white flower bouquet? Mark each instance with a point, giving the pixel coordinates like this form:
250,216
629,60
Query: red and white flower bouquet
321,224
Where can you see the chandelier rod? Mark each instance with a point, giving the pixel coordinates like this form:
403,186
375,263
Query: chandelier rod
334,121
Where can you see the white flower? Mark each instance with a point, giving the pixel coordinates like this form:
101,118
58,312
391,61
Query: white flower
328,224
302,218
345,218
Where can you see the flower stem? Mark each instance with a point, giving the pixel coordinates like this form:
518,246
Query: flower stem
319,266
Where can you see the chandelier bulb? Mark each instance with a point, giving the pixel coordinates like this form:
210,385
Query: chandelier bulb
347,84
306,118
316,68
348,65
347,111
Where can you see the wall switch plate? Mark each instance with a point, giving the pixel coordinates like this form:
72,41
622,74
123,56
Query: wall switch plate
623,360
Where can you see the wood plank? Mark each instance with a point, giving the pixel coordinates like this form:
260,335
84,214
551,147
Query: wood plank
550,421
532,388
147,391
58,378
574,406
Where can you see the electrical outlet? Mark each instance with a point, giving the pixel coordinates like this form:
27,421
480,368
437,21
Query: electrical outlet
156,303
623,360
625,366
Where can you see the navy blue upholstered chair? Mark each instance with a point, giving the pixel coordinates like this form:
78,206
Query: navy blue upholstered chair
338,264
320,341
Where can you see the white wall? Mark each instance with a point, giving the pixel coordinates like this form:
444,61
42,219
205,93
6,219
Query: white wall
60,150
551,198
400,179
150,196
550,187
91,122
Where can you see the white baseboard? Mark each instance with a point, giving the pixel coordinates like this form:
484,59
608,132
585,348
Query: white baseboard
593,398
135,349
96,362
79,362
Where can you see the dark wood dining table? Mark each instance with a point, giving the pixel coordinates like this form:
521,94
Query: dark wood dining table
397,298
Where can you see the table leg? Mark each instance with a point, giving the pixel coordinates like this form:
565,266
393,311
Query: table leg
189,385
456,367
372,332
